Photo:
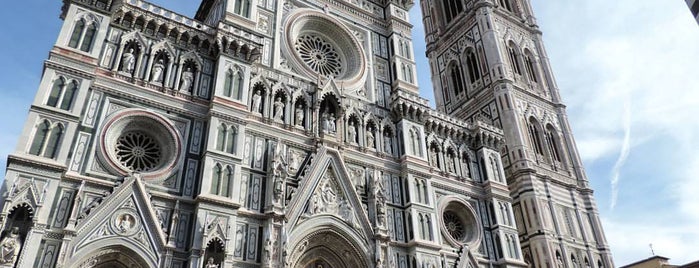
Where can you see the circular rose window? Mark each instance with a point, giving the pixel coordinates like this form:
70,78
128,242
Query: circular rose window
320,46
459,223
138,151
140,141
319,55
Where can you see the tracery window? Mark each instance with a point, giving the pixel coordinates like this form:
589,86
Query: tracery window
552,143
534,138
47,137
457,81
83,35
242,8
514,60
473,70
62,94
226,139
529,64
221,180
452,8
138,151
233,84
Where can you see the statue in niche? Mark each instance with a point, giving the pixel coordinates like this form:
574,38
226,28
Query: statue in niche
210,263
450,165
278,109
331,123
325,121
347,213
10,247
299,115
352,132
358,178
278,184
433,157
187,79
370,137
128,61
158,70
387,144
256,101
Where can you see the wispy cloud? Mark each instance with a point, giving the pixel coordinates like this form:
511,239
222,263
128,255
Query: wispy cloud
623,154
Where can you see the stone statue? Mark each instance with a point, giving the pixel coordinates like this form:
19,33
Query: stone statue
294,161
210,263
387,146
125,223
256,101
433,157
370,138
93,204
278,184
326,121
158,70
278,109
380,199
352,133
128,61
450,165
299,115
331,123
268,250
187,79
10,247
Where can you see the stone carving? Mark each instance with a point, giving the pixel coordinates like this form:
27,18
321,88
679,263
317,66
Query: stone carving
187,79
352,133
380,200
278,109
125,223
370,138
210,263
329,122
295,158
158,71
93,204
256,102
433,157
128,62
299,115
358,178
387,146
10,247
268,249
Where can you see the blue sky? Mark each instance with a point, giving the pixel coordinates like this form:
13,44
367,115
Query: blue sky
627,69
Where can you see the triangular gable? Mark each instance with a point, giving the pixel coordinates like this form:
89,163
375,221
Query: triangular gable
328,174
125,218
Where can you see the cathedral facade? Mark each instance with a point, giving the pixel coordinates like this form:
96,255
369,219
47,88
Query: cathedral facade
290,133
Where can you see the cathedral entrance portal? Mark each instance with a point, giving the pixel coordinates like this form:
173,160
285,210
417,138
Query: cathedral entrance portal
113,257
327,249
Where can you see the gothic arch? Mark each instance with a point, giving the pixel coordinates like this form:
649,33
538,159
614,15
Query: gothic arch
327,238
116,255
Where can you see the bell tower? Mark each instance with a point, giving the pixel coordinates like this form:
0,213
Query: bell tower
488,63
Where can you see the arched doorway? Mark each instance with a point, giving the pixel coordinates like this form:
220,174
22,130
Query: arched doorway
113,257
328,248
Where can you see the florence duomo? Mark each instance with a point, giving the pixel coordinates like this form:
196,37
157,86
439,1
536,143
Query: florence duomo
290,133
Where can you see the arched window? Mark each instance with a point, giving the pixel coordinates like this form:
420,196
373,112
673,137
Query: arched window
457,81
231,139
221,137
53,141
68,95
228,84
534,137
242,8
42,132
237,85
56,92
227,180
529,64
452,8
216,180
506,4
62,94
552,143
514,60
472,62
83,35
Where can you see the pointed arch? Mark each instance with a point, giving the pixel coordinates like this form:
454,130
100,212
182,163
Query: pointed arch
41,134
53,141
56,91
456,78
534,130
216,179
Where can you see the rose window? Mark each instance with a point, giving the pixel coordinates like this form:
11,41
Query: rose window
319,55
138,151
454,226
